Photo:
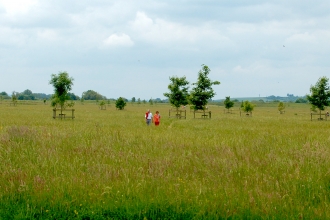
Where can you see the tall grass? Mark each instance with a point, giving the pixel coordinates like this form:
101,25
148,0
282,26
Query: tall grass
110,165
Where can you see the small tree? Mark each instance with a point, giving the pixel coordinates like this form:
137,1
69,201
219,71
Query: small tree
14,98
144,101
102,105
228,103
202,92
151,102
178,94
320,94
247,107
120,103
139,101
62,84
281,107
133,100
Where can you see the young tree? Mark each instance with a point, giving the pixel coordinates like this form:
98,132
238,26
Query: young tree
151,102
320,94
139,101
178,94
202,91
62,84
14,98
228,103
102,105
280,107
247,107
133,100
120,103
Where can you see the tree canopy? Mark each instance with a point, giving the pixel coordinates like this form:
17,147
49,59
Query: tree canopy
247,106
92,95
203,91
178,94
320,94
120,103
62,84
228,103
280,107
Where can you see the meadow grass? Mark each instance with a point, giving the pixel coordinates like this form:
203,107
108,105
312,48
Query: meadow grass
107,164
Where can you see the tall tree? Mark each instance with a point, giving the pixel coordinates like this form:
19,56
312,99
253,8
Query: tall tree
203,90
228,103
178,94
62,84
320,94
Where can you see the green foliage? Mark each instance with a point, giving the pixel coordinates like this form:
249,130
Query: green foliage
102,103
228,103
151,102
62,84
70,104
139,101
14,97
301,100
120,103
320,94
280,106
178,94
247,106
202,92
73,96
92,95
144,101
4,95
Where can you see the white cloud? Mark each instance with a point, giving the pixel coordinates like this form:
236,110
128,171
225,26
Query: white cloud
166,33
17,6
118,40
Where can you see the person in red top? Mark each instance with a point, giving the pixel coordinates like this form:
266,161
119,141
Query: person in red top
157,118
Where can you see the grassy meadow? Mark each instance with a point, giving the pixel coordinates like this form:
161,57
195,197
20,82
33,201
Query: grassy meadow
107,164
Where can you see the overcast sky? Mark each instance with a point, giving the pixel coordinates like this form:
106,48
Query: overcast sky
130,48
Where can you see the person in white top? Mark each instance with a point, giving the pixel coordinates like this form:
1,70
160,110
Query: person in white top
148,117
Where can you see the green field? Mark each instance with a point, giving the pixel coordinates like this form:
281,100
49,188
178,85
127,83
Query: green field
107,164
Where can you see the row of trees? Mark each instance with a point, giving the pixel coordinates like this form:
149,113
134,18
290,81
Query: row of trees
200,94
198,97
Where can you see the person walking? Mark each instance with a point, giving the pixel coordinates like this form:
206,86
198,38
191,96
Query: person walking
157,118
149,118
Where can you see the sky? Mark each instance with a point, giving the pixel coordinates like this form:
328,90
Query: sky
129,48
